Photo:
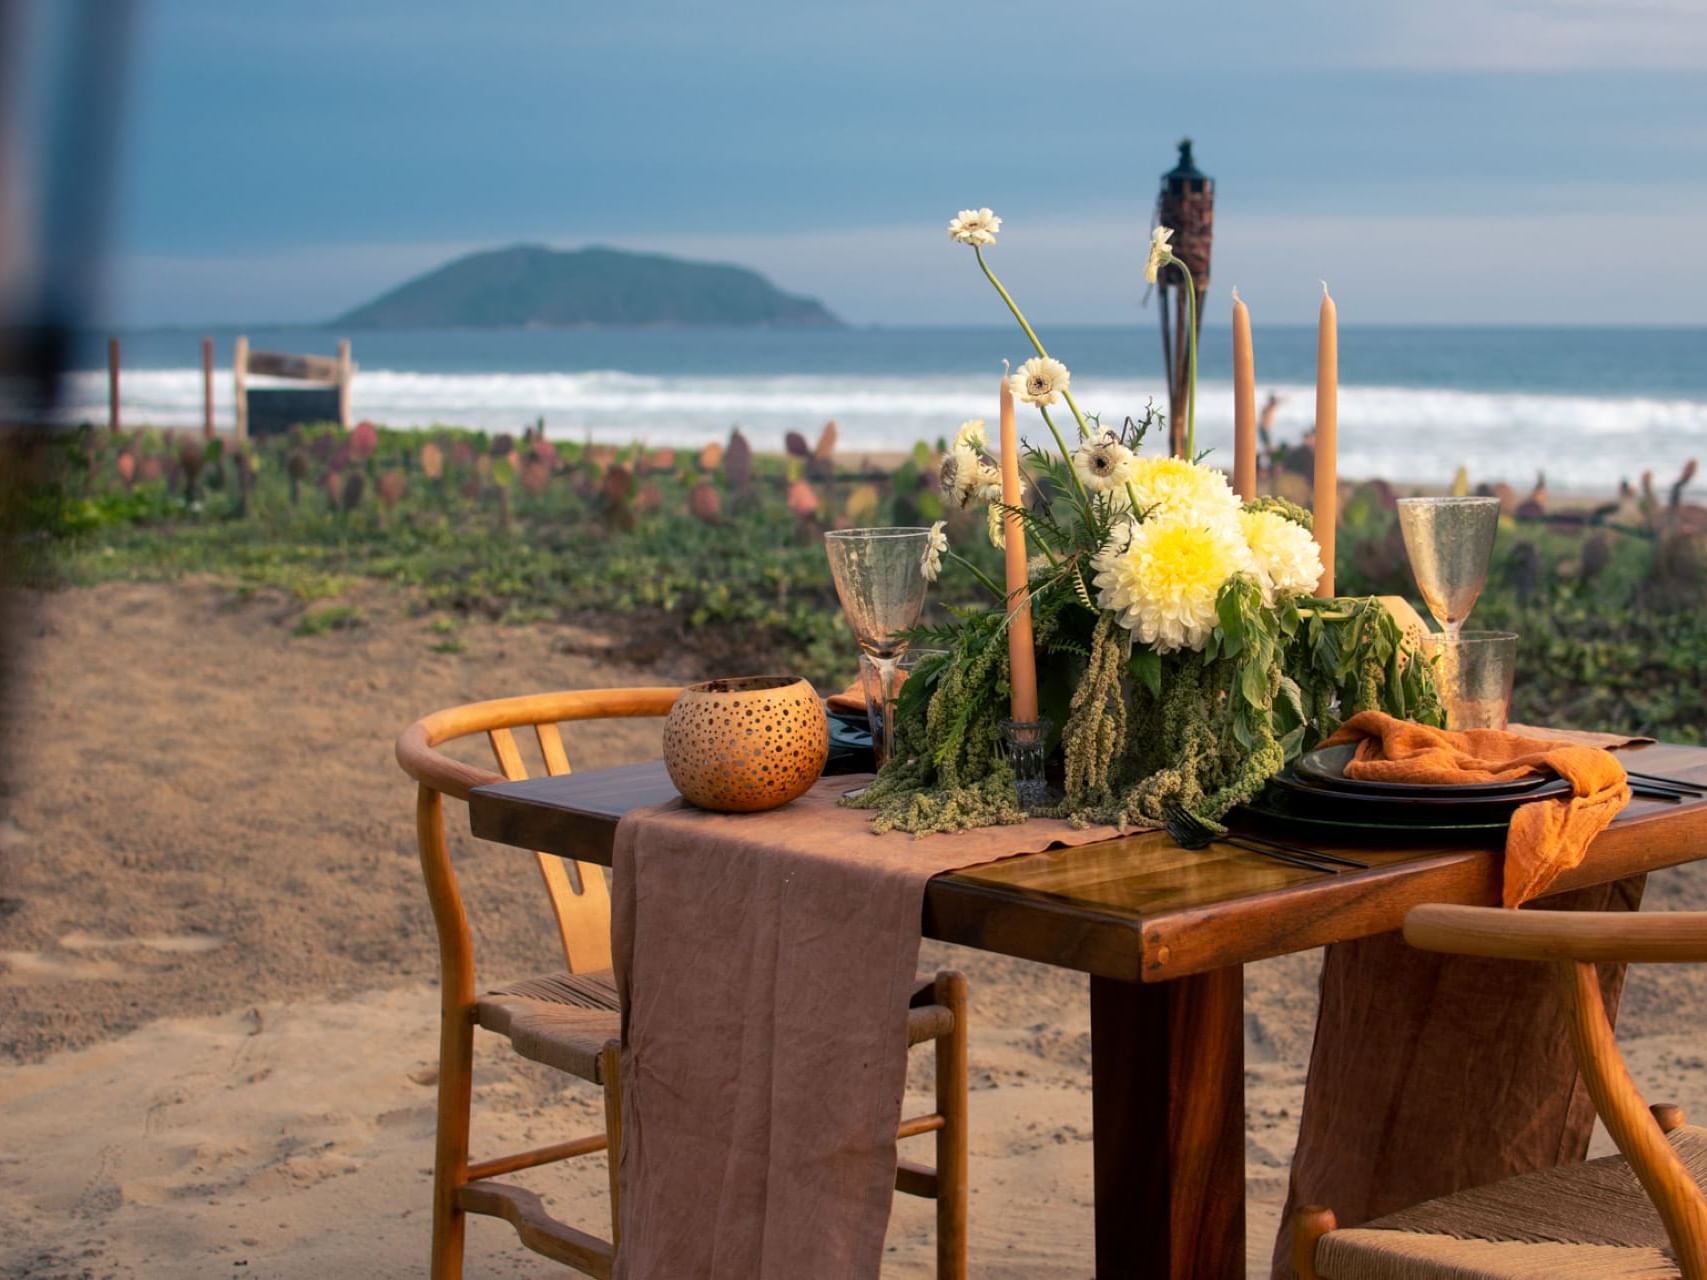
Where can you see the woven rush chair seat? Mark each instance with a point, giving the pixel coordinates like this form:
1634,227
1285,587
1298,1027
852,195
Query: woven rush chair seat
565,1019
1589,1221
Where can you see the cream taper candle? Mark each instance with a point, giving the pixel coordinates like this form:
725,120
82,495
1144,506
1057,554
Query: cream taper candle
1325,507
1022,657
1244,403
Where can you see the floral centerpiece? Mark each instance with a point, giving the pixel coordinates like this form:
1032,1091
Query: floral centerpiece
1180,646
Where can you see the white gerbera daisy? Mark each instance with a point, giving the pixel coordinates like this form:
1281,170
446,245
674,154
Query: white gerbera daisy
1160,252
990,483
935,545
1288,561
1163,583
1166,487
961,475
974,226
972,435
1041,380
1103,463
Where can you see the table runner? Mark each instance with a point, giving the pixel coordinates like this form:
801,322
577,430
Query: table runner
764,963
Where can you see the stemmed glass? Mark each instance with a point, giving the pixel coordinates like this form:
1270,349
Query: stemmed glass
1450,542
880,577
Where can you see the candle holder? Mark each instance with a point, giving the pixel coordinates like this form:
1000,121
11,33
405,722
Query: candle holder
1027,741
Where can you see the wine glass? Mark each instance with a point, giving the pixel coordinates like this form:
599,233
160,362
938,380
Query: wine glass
880,577
1450,542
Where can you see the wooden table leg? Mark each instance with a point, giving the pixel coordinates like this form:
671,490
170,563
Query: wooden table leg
1168,1107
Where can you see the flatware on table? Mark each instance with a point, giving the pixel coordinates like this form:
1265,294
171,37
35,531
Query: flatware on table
1191,832
1674,784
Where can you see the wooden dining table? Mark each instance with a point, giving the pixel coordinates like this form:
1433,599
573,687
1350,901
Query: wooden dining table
1164,934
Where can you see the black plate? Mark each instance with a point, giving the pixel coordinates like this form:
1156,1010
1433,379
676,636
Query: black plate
1363,825
1410,807
850,745
1326,765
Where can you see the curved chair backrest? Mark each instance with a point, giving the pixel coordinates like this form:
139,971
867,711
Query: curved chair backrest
1575,941
579,897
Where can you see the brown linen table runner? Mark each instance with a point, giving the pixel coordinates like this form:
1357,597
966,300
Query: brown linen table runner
764,963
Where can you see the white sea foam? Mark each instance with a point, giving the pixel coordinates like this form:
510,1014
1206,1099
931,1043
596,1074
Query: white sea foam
1401,433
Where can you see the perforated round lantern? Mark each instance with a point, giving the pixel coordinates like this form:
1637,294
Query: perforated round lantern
746,744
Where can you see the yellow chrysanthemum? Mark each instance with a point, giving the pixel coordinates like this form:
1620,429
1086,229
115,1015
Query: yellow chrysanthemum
1167,487
1162,577
1288,561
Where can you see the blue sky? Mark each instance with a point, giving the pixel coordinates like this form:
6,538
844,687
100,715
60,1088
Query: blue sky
1501,160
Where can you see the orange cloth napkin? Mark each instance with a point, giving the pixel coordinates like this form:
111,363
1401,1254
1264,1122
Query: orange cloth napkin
1545,837
852,699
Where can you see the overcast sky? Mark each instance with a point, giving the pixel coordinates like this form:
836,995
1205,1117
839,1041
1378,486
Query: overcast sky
1438,161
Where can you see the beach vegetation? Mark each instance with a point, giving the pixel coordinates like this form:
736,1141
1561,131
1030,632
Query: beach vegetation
703,553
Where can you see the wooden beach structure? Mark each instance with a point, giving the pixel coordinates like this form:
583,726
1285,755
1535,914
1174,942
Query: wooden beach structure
271,410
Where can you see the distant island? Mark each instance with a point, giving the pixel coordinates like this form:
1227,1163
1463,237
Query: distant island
530,285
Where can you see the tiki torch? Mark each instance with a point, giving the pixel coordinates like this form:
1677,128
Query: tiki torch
1186,203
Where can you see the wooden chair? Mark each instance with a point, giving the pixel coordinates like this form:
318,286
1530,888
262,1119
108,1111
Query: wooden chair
570,1020
1611,1218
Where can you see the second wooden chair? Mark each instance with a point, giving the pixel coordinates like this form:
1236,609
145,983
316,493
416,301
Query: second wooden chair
570,1019
1640,1214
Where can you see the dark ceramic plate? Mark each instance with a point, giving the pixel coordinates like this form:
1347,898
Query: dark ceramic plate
1326,766
1363,824
1410,806
850,745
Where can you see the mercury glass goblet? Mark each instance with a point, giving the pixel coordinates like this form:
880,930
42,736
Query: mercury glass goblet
880,577
1450,542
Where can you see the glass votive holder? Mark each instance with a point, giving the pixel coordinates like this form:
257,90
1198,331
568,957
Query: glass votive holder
1027,742
1474,671
871,682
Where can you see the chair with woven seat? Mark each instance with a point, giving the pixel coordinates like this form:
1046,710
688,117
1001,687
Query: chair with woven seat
571,1020
1641,1213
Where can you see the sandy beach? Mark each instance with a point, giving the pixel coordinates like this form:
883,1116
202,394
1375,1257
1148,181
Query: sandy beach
217,1014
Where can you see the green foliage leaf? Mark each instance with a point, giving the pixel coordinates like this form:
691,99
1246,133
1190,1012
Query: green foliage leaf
1146,665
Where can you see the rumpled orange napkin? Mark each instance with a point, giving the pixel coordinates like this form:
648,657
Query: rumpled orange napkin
1546,837
852,699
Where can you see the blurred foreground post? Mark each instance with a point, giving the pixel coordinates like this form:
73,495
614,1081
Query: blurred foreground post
113,385
207,388
66,169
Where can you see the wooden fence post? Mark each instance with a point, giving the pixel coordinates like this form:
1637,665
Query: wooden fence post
344,374
113,385
239,378
207,388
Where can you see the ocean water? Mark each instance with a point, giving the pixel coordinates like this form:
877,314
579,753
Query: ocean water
1585,406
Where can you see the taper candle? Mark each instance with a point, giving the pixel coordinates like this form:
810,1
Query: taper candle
1022,657
1244,403
1325,507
